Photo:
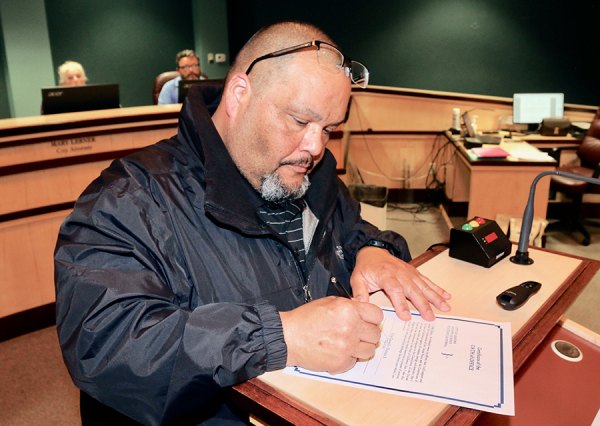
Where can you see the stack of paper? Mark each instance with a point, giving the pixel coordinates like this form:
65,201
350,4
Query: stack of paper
494,152
526,154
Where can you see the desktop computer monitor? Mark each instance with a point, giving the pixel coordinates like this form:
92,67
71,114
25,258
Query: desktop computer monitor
211,90
56,100
532,108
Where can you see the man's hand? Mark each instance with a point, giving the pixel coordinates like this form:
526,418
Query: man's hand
376,269
331,334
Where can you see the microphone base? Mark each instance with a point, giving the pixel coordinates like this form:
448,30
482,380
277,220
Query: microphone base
521,258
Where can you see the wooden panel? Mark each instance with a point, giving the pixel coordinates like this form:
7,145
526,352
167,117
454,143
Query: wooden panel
25,128
90,141
413,119
384,108
458,180
45,163
394,160
40,188
505,190
26,262
46,186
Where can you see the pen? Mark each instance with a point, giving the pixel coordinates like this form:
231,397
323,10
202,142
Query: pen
341,290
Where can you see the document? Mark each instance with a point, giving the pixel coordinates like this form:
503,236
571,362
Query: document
454,360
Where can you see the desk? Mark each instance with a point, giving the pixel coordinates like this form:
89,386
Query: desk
393,132
278,397
552,141
562,148
496,186
45,163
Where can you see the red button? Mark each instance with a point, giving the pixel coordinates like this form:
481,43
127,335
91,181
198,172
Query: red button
480,220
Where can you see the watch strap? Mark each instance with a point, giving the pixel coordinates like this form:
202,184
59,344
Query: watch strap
383,245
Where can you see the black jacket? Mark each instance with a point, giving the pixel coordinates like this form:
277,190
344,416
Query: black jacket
168,286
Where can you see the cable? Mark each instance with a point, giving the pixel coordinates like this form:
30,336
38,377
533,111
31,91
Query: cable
435,186
380,172
431,247
414,210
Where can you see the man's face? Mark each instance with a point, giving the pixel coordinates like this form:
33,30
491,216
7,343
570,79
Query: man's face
281,136
189,68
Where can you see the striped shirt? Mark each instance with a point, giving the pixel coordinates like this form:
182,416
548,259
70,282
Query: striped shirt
285,219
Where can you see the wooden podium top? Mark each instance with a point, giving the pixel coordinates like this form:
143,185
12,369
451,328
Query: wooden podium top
277,396
29,130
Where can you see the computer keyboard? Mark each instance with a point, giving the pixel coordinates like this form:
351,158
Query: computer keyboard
485,138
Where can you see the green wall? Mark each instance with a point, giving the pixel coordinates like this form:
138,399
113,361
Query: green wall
210,32
490,47
4,106
28,64
121,41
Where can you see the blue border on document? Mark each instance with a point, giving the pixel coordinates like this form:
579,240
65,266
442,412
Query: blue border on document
502,367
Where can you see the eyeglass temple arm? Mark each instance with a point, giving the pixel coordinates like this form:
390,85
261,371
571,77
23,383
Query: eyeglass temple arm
279,53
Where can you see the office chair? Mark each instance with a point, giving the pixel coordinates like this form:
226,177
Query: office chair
160,81
589,165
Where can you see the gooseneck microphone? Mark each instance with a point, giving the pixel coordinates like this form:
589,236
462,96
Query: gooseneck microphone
521,257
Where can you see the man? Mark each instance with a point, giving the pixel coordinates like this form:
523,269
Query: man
188,67
207,259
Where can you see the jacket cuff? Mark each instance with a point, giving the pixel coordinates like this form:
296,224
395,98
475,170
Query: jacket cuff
275,346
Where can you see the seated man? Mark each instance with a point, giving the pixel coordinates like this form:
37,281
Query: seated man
188,67
209,258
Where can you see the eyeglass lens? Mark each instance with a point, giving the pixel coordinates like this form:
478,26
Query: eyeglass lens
359,74
329,55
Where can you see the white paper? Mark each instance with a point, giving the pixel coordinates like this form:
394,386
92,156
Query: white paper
459,361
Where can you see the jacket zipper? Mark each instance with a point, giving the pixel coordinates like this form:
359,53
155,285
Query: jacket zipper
305,289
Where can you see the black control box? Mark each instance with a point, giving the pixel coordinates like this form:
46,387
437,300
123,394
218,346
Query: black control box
479,241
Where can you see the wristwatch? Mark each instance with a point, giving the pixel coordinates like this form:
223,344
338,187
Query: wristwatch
382,245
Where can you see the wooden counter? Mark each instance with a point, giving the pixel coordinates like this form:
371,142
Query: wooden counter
396,134
45,163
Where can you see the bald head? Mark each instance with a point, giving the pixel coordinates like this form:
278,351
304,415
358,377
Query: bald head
272,38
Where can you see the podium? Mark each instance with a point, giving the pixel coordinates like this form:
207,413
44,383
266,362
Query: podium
276,397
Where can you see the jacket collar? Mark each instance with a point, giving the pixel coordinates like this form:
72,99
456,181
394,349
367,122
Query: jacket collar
229,197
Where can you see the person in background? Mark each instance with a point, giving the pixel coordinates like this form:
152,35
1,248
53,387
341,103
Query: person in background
71,73
188,67
215,256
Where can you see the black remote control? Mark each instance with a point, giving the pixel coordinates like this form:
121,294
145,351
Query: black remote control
516,296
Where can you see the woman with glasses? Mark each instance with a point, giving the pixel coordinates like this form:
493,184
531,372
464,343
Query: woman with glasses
229,250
